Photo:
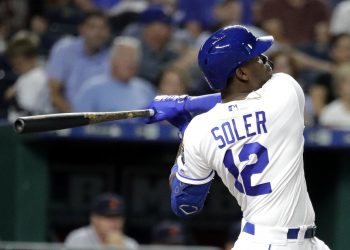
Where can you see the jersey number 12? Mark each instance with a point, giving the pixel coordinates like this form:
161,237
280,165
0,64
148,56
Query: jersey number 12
258,167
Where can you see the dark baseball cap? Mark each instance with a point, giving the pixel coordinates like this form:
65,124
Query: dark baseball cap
153,14
169,233
109,205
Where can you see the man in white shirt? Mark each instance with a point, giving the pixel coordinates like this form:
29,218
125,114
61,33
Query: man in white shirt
106,226
253,139
337,113
30,91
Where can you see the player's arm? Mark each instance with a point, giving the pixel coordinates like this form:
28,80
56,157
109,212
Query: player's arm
191,177
186,199
167,107
188,188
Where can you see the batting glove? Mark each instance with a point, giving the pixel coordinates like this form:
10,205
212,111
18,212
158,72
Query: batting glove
167,107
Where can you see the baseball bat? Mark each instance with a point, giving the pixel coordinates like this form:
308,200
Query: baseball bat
41,123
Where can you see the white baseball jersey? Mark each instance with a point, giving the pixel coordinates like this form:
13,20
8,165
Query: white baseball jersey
256,147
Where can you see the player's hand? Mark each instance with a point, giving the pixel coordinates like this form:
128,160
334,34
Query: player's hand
167,107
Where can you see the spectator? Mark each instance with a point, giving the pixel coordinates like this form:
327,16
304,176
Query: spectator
15,12
284,62
106,226
74,60
93,5
321,90
298,17
63,17
174,81
168,233
3,35
319,46
156,51
200,10
337,113
340,19
30,92
227,12
118,89
39,26
190,35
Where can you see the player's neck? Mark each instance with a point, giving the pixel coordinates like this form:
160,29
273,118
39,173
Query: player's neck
233,97
235,92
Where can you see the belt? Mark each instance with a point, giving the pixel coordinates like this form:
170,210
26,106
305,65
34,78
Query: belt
292,233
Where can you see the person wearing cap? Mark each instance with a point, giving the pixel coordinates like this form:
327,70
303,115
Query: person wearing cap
251,136
155,36
106,226
168,233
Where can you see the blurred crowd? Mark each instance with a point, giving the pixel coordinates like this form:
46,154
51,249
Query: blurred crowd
106,228
110,55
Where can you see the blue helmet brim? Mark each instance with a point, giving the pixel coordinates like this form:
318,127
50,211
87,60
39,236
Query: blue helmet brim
263,43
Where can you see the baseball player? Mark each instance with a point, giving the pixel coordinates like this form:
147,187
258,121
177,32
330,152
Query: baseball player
251,137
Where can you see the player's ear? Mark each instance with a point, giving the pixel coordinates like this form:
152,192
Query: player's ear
241,74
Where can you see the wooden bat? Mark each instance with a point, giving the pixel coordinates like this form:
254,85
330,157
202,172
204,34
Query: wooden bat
40,123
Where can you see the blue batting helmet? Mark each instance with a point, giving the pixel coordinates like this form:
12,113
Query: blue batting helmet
227,49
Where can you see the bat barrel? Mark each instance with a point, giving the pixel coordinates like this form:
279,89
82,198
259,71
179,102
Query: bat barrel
40,123
19,125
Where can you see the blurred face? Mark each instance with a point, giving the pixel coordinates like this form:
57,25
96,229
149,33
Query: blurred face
282,64
124,62
194,28
229,13
158,32
106,226
171,84
341,50
322,32
258,71
38,24
95,32
21,64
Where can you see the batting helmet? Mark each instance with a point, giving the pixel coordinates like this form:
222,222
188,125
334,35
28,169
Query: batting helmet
227,49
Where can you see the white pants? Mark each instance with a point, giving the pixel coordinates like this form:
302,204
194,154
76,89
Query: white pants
247,242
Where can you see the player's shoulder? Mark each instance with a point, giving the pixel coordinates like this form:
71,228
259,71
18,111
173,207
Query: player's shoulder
199,126
278,77
281,81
